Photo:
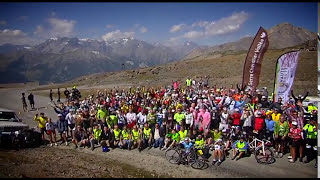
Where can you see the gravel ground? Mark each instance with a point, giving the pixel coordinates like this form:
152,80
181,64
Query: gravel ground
46,162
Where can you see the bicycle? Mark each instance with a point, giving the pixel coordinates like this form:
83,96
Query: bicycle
193,158
262,151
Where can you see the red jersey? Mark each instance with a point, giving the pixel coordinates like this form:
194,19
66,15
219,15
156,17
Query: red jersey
236,119
295,134
258,124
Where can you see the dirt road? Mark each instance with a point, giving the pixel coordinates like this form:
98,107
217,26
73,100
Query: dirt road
151,161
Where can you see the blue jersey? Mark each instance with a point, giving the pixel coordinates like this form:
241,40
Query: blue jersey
187,145
270,125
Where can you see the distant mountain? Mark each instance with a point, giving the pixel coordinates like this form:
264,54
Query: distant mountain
286,35
62,59
8,48
280,36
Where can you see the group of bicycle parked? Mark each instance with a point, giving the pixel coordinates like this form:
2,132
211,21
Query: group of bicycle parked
211,119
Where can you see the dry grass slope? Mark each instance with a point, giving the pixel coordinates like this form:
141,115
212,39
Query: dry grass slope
223,70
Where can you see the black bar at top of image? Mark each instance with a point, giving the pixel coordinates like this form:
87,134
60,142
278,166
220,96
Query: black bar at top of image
167,1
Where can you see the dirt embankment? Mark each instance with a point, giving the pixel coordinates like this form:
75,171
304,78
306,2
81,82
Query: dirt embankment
47,162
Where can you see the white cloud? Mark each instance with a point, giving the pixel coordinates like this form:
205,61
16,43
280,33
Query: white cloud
138,28
193,34
200,24
39,30
143,29
16,37
226,25
206,29
116,35
56,28
176,28
3,22
61,27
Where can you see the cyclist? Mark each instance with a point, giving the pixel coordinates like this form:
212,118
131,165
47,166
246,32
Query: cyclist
218,151
215,135
183,133
239,147
311,140
51,130
147,136
259,125
125,138
233,137
24,103
96,136
200,145
136,136
281,130
175,138
106,137
116,133
295,135
187,145
42,120
168,140
269,128
62,126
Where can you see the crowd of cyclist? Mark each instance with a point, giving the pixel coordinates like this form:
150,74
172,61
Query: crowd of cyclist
214,119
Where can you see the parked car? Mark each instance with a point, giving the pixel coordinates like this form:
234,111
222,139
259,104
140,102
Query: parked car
14,133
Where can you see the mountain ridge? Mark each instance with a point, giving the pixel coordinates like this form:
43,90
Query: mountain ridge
280,36
62,59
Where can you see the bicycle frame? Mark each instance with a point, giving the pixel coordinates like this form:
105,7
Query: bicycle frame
254,145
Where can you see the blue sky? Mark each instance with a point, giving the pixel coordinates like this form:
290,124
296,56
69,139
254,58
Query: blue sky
167,23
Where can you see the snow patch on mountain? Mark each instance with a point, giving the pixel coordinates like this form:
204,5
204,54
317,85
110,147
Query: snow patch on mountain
84,39
130,62
95,52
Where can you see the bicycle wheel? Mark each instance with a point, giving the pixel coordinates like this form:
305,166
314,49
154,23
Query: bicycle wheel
266,158
172,156
197,162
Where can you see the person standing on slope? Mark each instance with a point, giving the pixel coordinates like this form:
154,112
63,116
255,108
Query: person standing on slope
66,94
188,81
24,103
31,100
51,95
58,95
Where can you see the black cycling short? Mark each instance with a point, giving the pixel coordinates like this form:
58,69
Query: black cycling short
43,130
279,139
86,124
71,126
296,143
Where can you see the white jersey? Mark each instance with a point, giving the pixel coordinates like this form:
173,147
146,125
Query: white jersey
131,117
50,126
142,119
70,118
189,119
224,118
